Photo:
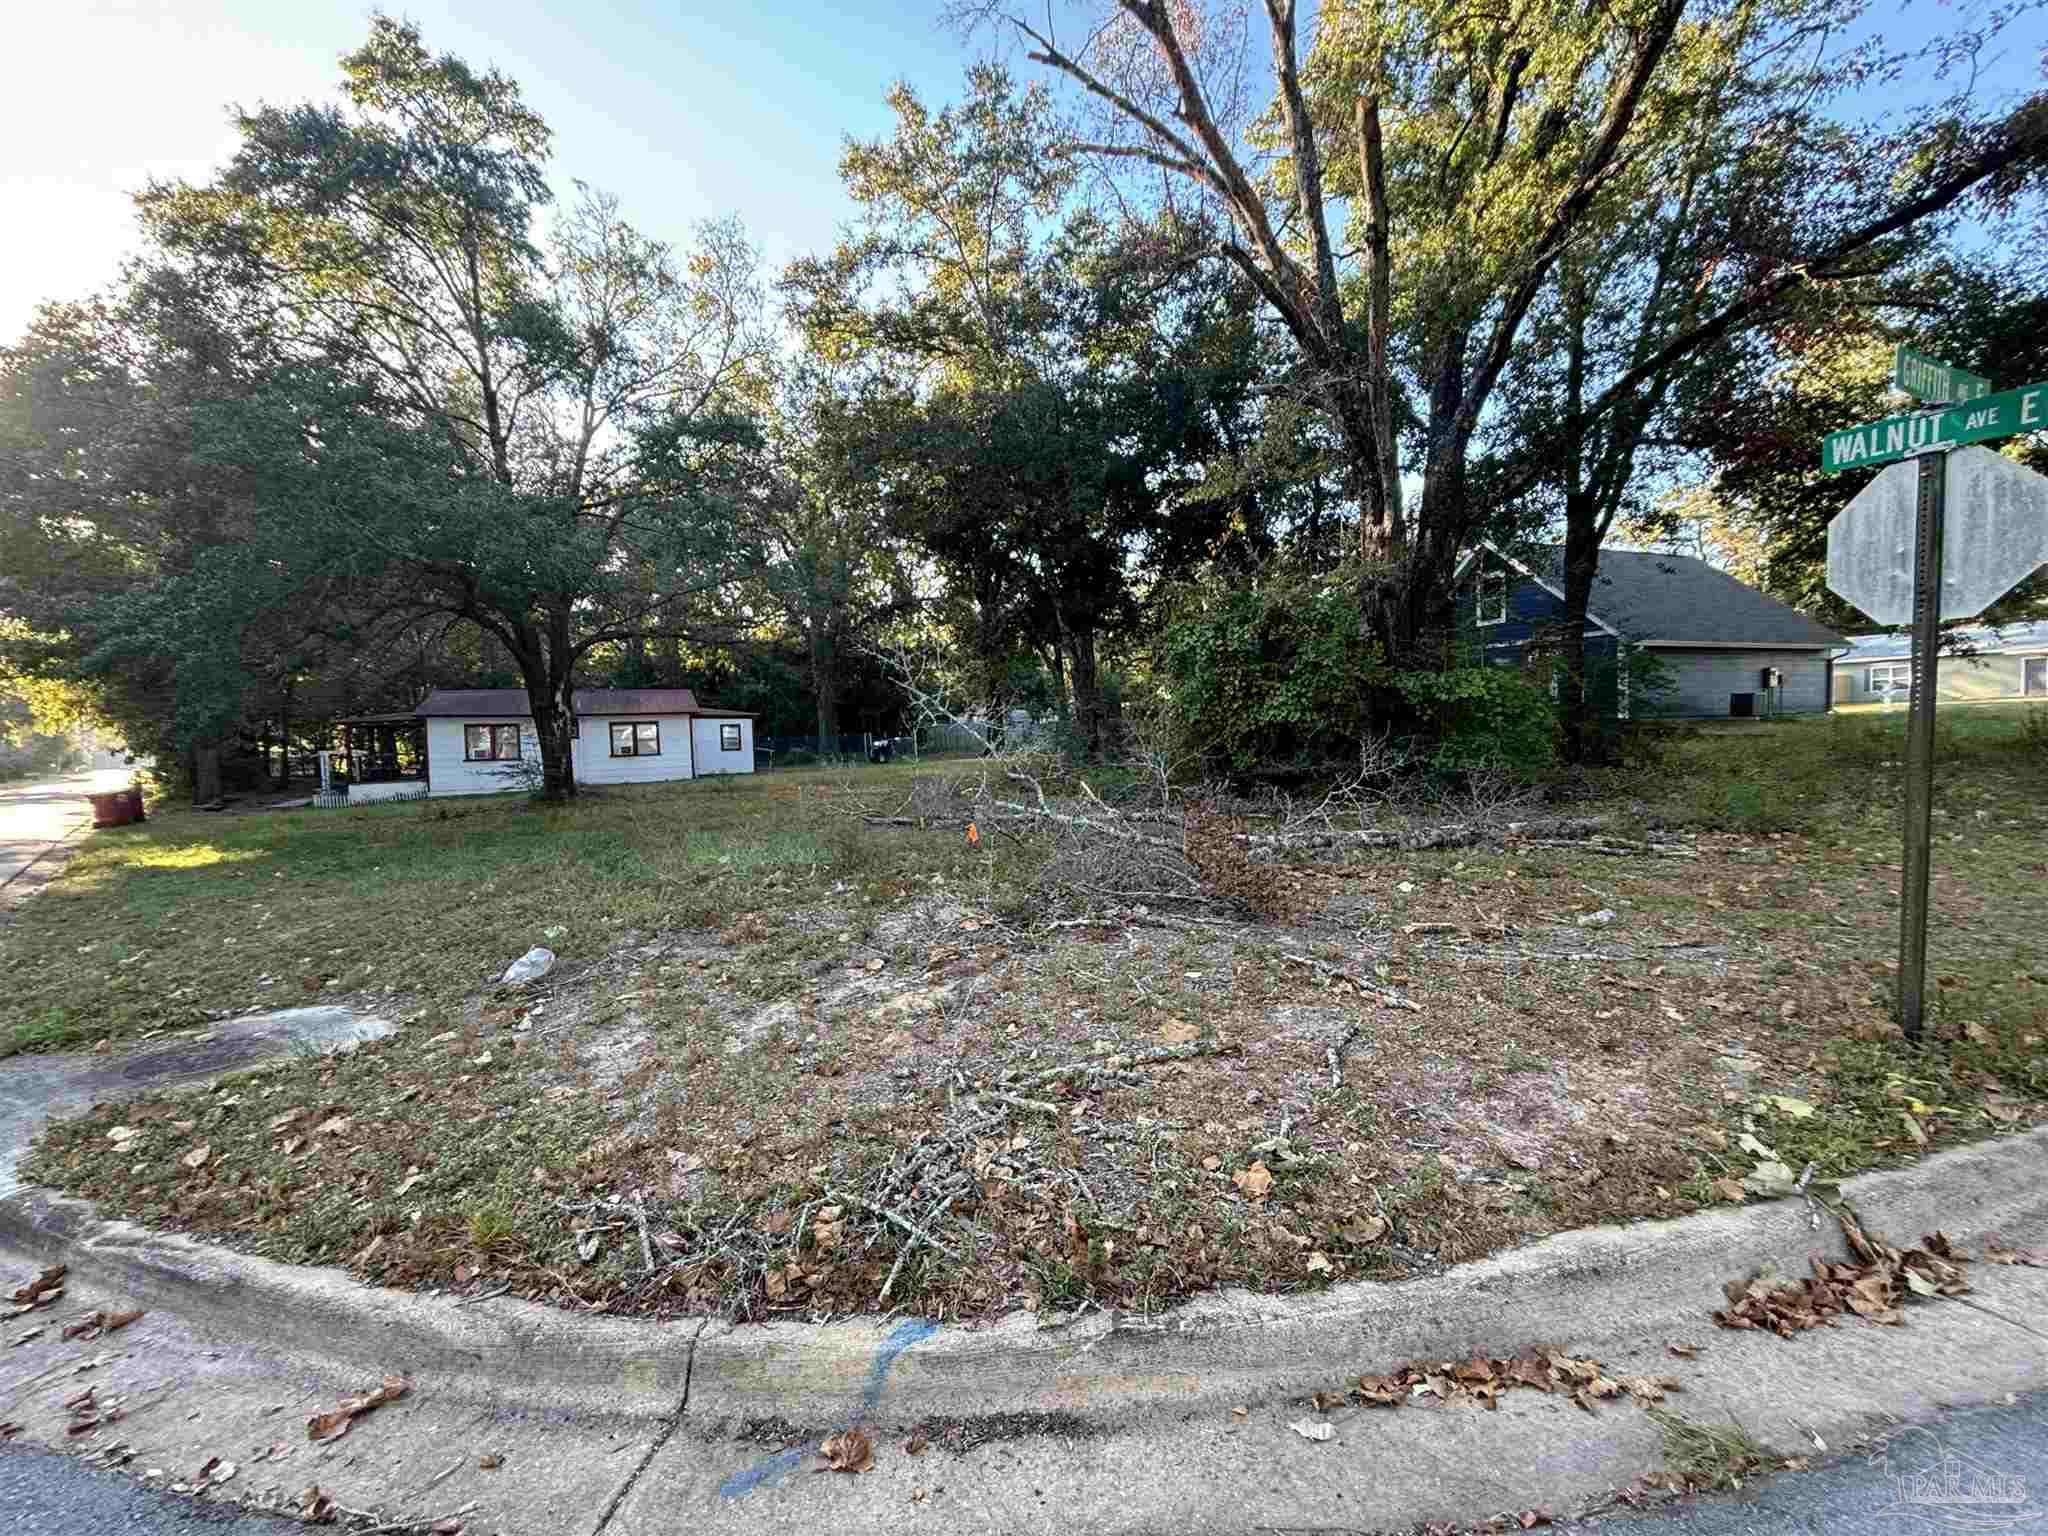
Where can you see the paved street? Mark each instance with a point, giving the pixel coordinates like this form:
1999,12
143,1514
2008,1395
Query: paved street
35,814
1894,1492
1977,1470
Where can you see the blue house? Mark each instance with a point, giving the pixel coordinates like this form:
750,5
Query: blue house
1722,648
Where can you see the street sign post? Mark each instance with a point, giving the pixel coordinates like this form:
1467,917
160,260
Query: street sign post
1998,538
1927,378
1901,437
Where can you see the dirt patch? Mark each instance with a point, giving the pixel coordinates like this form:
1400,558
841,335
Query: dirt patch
893,1087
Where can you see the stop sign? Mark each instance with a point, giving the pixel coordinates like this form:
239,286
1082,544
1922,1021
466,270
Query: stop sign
1995,536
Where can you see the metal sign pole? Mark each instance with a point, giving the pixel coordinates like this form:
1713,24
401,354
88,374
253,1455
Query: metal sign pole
1930,512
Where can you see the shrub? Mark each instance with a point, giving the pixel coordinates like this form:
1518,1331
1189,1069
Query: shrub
1269,672
1483,718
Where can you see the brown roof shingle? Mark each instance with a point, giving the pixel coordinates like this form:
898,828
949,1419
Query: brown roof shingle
487,703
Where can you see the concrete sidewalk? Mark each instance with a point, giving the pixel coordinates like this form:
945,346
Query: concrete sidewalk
1107,1424
35,818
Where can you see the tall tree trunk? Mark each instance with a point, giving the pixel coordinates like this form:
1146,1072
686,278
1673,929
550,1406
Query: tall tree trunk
1085,682
1582,531
206,773
1581,567
824,683
548,668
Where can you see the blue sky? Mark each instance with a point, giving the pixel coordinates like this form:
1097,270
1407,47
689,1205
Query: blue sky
686,110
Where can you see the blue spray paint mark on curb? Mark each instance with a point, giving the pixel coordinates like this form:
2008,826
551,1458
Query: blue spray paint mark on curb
900,1338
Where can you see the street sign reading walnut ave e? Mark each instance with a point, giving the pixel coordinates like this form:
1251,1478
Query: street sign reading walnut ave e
1942,539
1901,437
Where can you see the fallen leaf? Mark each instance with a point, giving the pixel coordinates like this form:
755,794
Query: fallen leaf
1318,1263
1729,1190
1683,1351
917,1444
490,1461
1178,1031
1529,1519
2033,1258
874,965
334,1125
1363,1228
1912,1127
1255,1182
1792,1109
315,1508
332,1426
588,1244
847,1452
1311,1430
292,1144
197,1157
1212,1162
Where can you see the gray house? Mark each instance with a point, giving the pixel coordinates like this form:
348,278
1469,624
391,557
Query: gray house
1979,664
1726,649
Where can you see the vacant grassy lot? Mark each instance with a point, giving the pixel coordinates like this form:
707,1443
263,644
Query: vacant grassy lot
781,1040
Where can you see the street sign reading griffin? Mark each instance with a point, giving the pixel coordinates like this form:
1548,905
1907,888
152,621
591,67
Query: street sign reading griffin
1899,437
1924,378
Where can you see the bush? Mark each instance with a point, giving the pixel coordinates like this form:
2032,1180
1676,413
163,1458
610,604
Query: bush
1483,718
1268,673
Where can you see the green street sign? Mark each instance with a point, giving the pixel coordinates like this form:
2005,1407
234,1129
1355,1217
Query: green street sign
2004,414
1928,378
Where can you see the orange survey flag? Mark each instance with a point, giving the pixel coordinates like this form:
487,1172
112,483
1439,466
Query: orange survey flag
973,835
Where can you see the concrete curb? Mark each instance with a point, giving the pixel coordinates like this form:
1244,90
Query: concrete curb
1602,1291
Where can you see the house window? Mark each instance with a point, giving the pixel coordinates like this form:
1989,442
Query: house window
2035,676
1896,677
490,743
1492,597
636,738
729,737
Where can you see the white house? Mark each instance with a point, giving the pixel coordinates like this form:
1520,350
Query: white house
480,741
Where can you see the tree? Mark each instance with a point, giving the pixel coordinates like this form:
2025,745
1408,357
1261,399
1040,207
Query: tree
1058,385
1472,149
1756,420
830,562
561,423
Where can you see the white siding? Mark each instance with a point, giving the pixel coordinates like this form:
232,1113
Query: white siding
596,765
448,774
712,758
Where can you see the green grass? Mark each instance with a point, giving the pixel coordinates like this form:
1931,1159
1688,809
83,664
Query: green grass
193,916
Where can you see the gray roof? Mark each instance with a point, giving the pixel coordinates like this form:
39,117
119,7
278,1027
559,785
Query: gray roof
488,703
1683,600
1976,639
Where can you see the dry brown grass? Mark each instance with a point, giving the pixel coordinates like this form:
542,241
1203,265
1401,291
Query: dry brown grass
839,1039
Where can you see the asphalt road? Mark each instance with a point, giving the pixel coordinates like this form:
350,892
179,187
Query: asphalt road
43,1494
35,814
1901,1490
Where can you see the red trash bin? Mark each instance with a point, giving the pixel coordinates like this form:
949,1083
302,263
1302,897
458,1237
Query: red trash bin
112,808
